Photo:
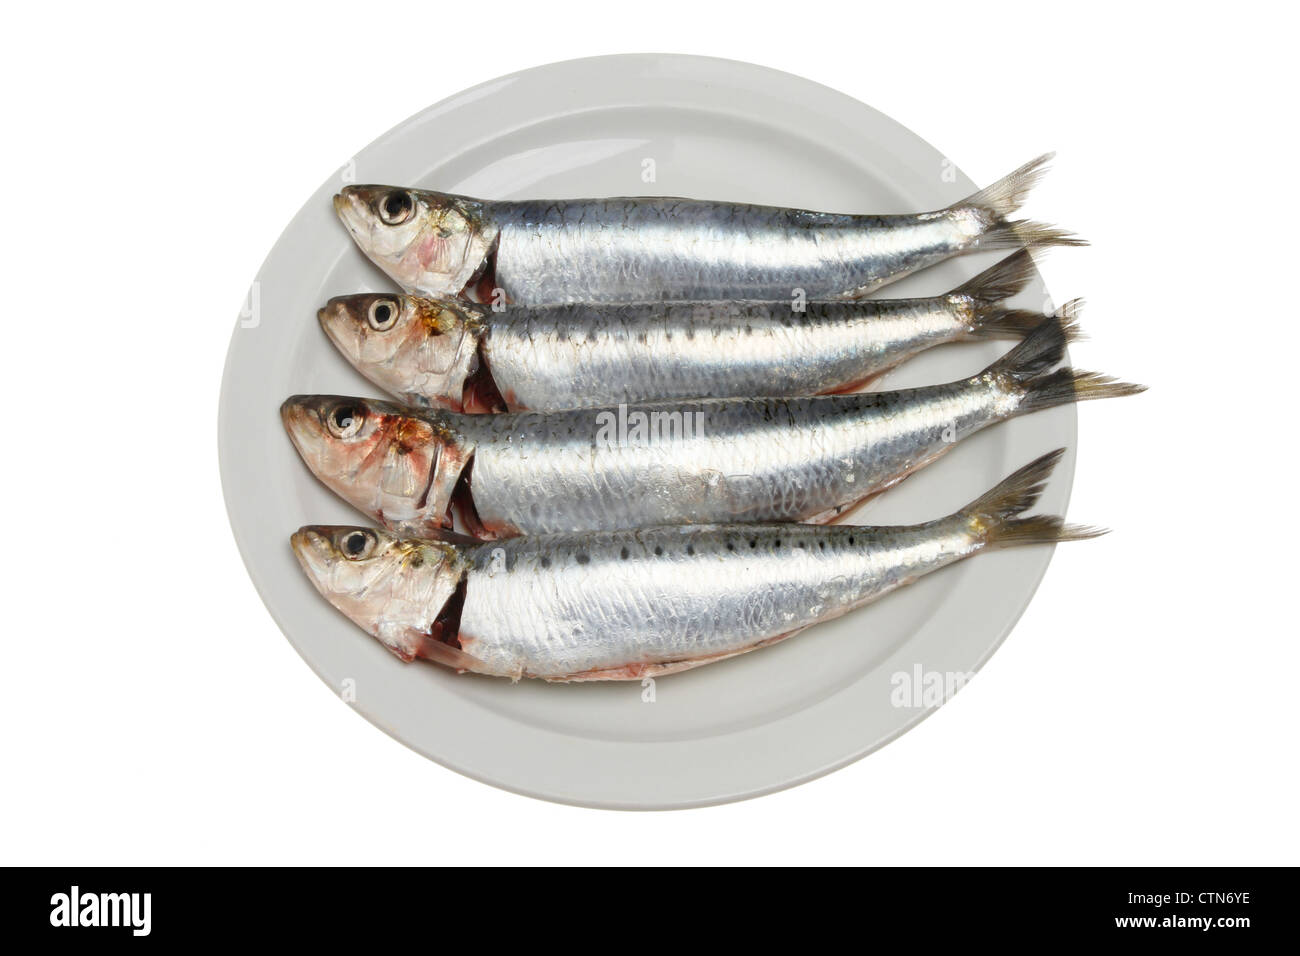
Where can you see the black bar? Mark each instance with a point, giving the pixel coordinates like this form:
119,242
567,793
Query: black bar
215,905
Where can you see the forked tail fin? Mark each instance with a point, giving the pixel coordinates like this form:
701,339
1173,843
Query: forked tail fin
1043,348
1068,385
996,513
1024,370
1002,280
992,287
995,322
1001,199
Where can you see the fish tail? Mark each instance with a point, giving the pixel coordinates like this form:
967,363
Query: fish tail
994,322
1041,529
1068,385
995,515
1027,234
989,290
1004,197
1042,348
1024,370
1002,280
1008,194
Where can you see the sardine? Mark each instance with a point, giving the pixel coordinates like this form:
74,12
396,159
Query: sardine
541,252
719,461
625,605
446,353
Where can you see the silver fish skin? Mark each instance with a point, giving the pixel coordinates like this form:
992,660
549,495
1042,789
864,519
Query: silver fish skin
721,461
639,249
446,354
626,605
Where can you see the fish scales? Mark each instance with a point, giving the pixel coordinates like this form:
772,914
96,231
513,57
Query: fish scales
623,605
748,460
633,249
437,353
548,361
724,460
552,616
686,249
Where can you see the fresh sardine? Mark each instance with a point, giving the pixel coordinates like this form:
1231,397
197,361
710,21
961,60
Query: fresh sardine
540,252
719,461
625,605
460,356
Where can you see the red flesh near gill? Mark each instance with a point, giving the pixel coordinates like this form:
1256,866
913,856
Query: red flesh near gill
446,626
462,506
480,395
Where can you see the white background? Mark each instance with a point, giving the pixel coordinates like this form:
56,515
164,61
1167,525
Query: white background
1143,710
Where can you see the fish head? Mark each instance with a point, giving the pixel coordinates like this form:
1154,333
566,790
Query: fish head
421,349
396,464
428,242
392,588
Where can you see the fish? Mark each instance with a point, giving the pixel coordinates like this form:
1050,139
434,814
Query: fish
640,249
632,604
460,356
717,461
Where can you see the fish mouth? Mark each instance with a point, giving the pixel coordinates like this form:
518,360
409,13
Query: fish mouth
334,320
351,211
340,209
303,539
301,417
311,547
293,416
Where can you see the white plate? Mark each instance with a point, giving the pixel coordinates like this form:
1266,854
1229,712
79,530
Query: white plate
714,129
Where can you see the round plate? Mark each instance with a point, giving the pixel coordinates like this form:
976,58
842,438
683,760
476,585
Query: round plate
637,125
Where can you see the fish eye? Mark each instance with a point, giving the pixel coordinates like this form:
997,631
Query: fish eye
382,315
358,545
396,207
345,420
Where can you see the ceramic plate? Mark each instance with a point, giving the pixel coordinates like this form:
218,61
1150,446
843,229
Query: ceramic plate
637,125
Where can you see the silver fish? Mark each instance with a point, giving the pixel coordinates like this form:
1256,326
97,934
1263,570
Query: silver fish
540,252
719,461
451,354
625,605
